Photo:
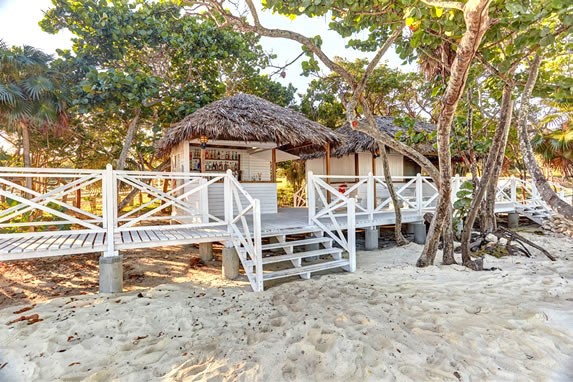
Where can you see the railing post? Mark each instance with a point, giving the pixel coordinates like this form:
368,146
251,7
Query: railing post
257,245
104,197
228,199
310,196
351,229
455,188
204,200
370,197
513,191
109,197
534,193
419,194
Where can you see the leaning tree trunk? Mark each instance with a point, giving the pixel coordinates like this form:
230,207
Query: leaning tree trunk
488,181
26,156
477,21
548,195
129,137
506,114
400,239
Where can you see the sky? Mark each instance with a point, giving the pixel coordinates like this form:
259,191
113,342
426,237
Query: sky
19,26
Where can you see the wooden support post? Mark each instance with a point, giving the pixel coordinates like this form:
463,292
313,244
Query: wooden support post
203,160
79,198
274,166
356,167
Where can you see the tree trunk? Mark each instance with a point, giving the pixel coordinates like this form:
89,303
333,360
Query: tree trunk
26,156
400,239
448,240
129,137
548,195
488,181
477,21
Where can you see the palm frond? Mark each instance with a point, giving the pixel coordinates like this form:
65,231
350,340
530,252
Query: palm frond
10,93
36,86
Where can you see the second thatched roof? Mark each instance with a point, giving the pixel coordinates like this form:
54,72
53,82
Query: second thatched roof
354,141
248,118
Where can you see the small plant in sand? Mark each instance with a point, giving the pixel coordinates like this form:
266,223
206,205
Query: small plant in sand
462,206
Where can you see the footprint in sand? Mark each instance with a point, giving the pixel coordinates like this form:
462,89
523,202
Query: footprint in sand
342,321
278,322
359,318
323,340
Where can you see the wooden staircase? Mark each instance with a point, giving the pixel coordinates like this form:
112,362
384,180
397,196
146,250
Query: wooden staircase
298,252
537,213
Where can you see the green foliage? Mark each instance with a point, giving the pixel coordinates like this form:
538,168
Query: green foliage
462,204
146,58
388,92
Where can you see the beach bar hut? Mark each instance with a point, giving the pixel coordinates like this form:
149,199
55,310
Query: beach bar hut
247,135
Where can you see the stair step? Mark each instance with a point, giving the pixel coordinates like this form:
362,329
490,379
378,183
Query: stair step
293,231
305,269
295,243
301,255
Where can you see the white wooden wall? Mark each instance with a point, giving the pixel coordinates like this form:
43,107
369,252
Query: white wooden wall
265,192
252,166
345,165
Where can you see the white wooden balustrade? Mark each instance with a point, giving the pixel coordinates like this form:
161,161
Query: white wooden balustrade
47,219
51,217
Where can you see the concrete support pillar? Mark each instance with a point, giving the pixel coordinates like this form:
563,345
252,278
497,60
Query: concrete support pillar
110,274
513,220
206,251
231,263
419,233
312,247
371,236
410,228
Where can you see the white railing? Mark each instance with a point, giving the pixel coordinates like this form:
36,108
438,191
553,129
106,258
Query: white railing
566,194
246,239
47,202
524,192
416,193
333,212
175,209
179,201
372,194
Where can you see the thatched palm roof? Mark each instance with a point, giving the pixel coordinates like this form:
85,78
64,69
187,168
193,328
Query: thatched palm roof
354,141
248,118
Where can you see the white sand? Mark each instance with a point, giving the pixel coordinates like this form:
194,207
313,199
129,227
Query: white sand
388,321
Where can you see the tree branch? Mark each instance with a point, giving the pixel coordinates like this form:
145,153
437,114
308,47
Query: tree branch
258,28
444,4
369,69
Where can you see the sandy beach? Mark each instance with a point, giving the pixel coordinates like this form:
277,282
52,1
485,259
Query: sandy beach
389,321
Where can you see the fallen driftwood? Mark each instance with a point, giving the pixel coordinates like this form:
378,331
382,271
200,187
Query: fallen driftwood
528,242
504,242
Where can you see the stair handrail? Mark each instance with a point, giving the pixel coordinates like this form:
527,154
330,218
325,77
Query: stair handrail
317,187
243,236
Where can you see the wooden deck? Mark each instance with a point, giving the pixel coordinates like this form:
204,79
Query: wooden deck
37,244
